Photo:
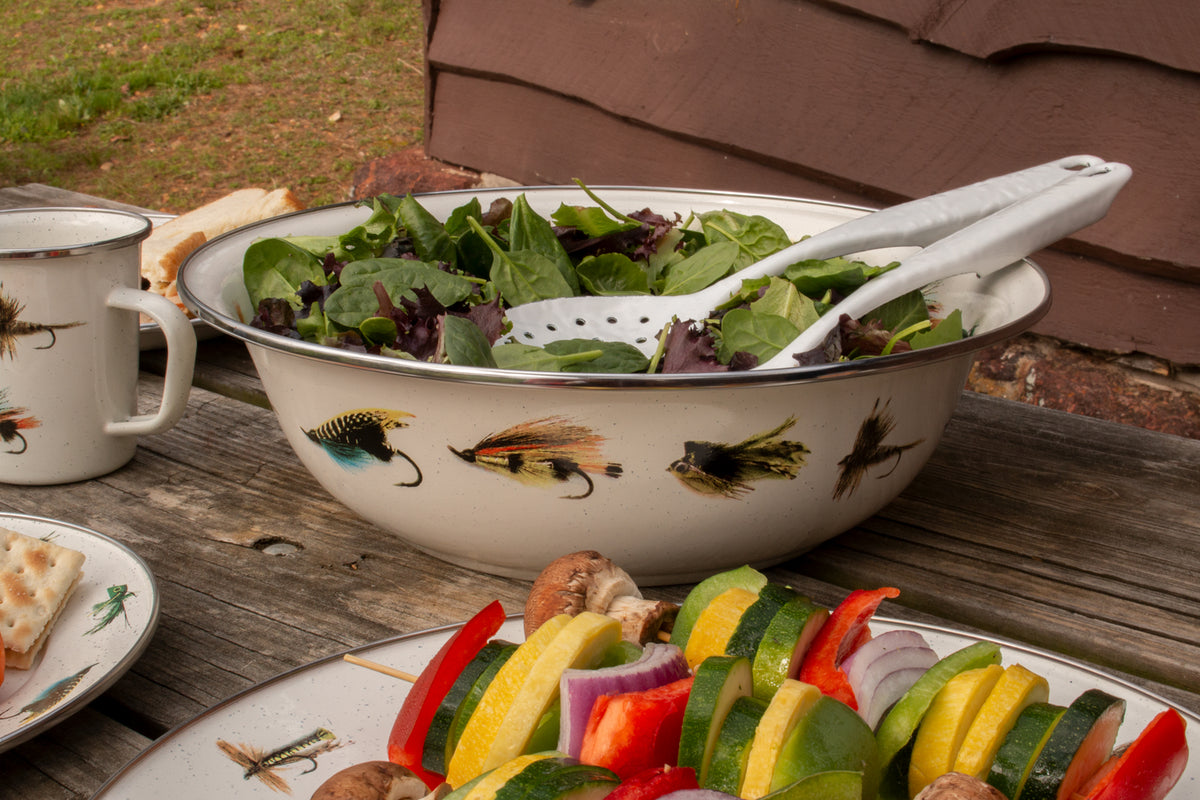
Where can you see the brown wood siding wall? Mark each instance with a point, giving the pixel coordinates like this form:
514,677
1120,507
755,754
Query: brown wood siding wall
829,100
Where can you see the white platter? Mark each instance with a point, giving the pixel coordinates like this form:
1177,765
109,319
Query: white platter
87,650
356,707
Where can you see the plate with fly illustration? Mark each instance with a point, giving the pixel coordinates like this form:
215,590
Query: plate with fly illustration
103,629
286,736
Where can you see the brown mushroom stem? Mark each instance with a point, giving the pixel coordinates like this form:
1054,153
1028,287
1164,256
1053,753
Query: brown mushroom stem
587,581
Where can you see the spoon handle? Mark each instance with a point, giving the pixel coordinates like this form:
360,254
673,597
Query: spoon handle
1007,236
916,223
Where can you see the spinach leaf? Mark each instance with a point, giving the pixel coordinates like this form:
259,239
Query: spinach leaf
698,271
378,330
512,355
783,300
400,275
277,268
430,240
592,221
523,276
615,357
901,312
756,237
612,274
816,276
464,344
762,335
528,231
948,330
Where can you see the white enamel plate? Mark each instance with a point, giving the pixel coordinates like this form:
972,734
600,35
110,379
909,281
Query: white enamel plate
331,714
106,625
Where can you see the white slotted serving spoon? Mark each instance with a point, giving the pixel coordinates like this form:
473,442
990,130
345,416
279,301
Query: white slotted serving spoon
994,242
637,319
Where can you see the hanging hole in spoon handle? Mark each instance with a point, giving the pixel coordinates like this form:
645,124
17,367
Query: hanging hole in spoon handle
983,247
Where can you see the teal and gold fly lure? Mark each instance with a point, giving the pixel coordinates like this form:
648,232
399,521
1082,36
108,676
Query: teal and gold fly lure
713,468
358,438
543,452
869,451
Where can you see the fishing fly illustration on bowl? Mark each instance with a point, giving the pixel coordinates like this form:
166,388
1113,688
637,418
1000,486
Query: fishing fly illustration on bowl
726,470
870,451
358,438
544,452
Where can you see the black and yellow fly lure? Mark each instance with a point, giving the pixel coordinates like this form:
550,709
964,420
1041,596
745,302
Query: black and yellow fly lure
358,438
714,468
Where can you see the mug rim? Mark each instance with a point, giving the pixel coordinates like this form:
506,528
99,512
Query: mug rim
117,242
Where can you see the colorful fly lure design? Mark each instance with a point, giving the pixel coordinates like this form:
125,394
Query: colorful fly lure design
869,451
12,327
358,438
257,763
51,697
726,470
543,452
12,423
110,608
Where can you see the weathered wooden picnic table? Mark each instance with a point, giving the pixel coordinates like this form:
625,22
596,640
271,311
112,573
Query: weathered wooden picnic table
1078,536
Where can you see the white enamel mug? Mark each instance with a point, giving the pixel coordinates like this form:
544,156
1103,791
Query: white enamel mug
69,326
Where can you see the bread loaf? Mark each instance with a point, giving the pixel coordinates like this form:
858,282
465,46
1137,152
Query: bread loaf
174,240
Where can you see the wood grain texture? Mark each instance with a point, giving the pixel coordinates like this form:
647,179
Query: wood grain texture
808,99
1096,302
1164,32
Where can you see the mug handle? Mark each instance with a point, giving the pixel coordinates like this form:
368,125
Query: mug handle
181,361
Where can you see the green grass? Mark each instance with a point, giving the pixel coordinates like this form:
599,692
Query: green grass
172,103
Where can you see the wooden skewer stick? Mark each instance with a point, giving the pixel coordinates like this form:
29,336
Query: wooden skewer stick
375,665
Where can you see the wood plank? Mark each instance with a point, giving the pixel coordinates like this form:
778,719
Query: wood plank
69,761
1096,303
839,99
997,28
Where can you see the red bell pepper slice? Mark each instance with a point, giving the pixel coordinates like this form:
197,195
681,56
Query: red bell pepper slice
845,630
655,782
1148,768
407,740
635,731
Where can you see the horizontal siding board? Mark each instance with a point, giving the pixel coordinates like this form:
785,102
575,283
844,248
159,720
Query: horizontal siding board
856,103
481,123
1163,31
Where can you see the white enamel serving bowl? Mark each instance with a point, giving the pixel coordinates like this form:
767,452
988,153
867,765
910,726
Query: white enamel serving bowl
650,471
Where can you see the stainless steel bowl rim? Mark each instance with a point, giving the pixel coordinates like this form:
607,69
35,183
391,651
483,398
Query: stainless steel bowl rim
525,378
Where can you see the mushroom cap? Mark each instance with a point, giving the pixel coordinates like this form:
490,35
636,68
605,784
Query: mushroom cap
373,780
577,582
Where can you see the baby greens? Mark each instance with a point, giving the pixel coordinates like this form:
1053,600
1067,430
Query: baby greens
409,285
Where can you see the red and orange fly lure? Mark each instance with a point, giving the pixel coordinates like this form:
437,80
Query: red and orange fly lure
543,452
12,423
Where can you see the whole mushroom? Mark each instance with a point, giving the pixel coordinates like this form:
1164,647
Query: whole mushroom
588,581
377,780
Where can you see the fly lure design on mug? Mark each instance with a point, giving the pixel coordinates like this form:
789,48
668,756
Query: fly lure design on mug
69,328
12,326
